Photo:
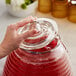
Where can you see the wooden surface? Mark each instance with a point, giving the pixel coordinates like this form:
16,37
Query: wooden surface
67,31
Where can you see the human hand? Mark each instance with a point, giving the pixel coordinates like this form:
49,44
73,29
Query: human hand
12,39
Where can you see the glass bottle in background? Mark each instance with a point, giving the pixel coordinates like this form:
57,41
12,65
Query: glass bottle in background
72,11
59,8
44,6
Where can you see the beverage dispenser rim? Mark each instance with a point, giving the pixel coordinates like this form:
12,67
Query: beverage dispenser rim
54,25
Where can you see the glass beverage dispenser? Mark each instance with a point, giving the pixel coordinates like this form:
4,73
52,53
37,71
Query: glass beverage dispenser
43,54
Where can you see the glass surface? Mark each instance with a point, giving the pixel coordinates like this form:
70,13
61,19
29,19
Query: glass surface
47,60
22,63
47,30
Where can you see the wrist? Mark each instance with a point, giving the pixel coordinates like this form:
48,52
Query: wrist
3,52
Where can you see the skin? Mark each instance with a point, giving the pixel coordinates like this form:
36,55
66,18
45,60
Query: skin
12,39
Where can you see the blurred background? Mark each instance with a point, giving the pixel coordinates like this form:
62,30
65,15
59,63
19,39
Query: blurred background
67,29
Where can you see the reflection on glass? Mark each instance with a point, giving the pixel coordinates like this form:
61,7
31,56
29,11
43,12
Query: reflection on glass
42,54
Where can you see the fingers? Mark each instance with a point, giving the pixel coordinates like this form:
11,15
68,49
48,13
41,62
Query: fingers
25,21
28,34
22,23
11,27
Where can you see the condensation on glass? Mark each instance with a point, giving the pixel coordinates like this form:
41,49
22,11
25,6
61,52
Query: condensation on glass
42,54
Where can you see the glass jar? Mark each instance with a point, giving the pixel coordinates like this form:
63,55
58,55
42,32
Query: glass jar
59,8
44,6
43,54
72,11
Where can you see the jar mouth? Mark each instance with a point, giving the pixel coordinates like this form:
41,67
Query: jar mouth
48,31
44,52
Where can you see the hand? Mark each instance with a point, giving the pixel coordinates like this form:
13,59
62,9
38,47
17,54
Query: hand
12,39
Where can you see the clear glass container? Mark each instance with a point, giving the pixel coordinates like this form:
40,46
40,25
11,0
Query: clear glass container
43,54
59,8
72,11
44,5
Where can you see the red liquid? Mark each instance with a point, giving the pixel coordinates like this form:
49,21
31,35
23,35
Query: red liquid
54,63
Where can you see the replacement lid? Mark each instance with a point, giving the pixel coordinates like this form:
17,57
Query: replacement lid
47,31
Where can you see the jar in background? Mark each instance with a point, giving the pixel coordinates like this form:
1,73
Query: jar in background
44,6
72,11
59,8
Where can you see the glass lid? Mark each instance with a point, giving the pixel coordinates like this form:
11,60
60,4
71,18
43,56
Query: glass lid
47,31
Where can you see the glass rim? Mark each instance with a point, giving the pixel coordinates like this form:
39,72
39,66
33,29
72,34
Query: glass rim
38,53
54,31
